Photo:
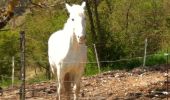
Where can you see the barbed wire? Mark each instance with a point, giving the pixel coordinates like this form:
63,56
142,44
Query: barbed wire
2,76
8,77
102,61
94,62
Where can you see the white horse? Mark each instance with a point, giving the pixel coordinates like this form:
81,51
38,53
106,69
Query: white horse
67,52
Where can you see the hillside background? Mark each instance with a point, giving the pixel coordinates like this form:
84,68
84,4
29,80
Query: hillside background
117,27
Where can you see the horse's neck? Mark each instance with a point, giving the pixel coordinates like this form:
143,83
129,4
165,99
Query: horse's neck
74,43
68,30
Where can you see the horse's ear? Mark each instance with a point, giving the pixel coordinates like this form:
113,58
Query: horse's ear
83,4
68,7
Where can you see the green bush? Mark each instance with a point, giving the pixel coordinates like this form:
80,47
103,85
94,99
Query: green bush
155,60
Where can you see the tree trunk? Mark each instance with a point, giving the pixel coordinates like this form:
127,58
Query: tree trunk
127,17
100,37
97,18
128,34
94,36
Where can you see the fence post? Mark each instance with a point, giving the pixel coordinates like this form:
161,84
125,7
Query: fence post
167,71
97,59
22,55
13,69
144,58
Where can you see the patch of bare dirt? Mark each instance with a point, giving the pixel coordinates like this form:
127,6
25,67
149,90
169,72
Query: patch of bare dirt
138,84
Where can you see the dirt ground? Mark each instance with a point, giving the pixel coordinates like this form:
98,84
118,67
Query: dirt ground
137,84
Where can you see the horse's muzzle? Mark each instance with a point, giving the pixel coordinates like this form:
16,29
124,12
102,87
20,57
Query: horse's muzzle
82,39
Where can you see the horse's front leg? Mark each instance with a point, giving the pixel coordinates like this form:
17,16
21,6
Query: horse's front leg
76,87
60,79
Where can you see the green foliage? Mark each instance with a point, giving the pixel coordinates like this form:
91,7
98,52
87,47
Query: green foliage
6,82
91,70
126,24
37,79
38,33
9,46
156,59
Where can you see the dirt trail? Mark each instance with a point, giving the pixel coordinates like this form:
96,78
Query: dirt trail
138,84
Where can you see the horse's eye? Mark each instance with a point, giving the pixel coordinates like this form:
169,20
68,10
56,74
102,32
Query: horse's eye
72,19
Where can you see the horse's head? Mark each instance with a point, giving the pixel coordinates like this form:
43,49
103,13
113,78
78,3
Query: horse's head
77,19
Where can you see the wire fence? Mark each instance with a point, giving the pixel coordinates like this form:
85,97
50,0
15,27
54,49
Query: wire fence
146,55
88,62
34,91
97,62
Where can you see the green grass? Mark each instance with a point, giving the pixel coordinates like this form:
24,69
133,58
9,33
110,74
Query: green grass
5,83
90,70
93,69
37,79
156,59
8,82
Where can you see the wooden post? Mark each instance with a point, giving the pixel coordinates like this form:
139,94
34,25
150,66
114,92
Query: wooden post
167,71
144,58
13,69
97,59
22,55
